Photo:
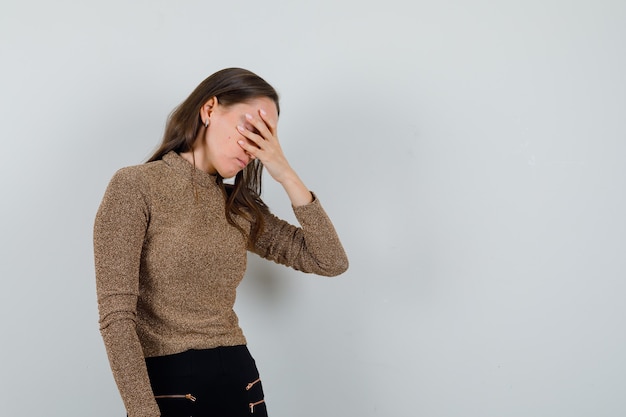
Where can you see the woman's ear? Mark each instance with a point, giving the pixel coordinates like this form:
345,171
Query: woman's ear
207,109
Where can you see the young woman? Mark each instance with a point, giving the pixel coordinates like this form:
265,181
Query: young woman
170,243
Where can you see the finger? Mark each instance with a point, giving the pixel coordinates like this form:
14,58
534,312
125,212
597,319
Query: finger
249,148
268,122
261,126
251,136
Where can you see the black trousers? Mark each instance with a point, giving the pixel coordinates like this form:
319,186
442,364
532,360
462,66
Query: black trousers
220,382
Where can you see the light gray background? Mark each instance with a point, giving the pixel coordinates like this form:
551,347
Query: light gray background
471,154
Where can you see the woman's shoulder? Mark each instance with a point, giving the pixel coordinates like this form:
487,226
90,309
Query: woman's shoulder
139,175
142,170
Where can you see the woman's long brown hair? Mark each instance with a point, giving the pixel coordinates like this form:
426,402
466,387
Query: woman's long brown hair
230,86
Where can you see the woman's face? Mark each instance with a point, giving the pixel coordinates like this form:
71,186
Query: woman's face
225,156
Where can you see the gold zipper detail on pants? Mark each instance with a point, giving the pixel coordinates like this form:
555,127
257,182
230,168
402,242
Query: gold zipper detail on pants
182,396
252,405
253,383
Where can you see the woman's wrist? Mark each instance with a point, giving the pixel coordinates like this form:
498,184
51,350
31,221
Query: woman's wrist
298,193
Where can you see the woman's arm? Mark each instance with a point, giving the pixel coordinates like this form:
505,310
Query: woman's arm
119,231
313,247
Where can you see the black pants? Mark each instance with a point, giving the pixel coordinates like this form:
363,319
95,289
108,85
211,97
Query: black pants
220,382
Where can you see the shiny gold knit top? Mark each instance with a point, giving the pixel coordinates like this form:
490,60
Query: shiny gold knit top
168,264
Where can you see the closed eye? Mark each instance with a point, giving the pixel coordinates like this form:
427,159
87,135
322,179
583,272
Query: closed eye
252,129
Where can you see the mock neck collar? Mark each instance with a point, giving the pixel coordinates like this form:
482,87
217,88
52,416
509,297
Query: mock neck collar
185,168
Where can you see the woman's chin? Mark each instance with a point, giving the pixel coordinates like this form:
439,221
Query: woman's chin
228,173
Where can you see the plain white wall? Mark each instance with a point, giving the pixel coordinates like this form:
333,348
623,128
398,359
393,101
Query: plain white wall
471,154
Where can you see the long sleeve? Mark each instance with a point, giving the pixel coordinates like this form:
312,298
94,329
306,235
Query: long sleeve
119,232
314,247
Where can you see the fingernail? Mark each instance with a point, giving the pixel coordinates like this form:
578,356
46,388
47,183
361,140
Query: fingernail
240,142
240,128
262,112
248,116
